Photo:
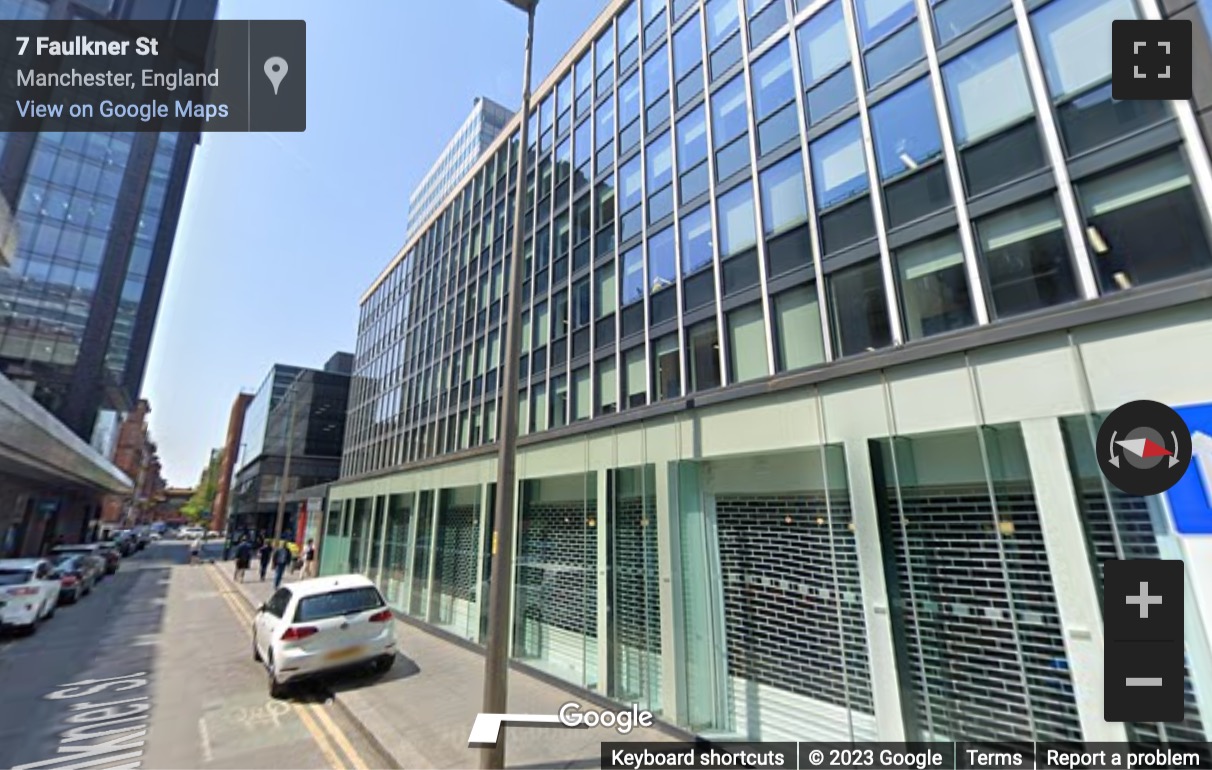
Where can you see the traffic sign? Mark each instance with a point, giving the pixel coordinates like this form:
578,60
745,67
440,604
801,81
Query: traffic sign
1190,499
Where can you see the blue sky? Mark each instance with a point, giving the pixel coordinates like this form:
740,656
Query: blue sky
282,233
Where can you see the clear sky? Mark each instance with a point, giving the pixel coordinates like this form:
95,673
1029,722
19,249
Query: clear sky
282,233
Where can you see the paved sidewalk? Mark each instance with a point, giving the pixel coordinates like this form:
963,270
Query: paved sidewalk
420,713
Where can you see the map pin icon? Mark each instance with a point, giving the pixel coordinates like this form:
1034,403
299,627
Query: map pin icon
276,69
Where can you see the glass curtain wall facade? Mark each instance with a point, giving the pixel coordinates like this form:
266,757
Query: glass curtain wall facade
785,266
96,214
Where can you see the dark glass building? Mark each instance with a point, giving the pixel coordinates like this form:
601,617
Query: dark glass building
95,216
296,411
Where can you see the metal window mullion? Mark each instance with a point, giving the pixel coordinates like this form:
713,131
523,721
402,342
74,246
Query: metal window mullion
674,176
951,159
619,361
809,184
723,343
873,175
1188,124
1070,212
759,223
593,228
643,121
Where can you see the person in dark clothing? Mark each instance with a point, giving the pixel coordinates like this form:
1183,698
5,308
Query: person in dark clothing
243,557
265,552
282,559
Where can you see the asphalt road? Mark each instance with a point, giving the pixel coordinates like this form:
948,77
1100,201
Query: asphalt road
154,669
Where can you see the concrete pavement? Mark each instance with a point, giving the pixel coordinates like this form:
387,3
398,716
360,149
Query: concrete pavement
420,713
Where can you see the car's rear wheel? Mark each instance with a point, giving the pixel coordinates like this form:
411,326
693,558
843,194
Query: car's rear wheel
383,663
277,690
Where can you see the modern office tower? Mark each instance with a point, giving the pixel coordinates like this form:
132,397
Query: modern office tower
482,126
95,215
824,304
299,413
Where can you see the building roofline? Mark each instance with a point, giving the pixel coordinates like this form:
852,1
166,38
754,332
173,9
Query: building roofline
547,85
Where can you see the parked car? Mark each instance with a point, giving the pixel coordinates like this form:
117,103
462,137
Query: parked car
124,542
189,533
143,537
321,626
29,593
78,573
106,552
90,551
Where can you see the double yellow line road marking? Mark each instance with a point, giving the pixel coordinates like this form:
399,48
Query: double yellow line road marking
314,718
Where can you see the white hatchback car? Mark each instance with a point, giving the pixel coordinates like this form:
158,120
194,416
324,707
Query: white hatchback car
320,626
29,592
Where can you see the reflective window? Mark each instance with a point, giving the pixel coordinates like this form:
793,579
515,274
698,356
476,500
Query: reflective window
890,37
660,163
603,54
583,146
629,105
824,63
774,97
605,124
666,365
860,309
662,261
604,288
636,378
723,24
581,398
991,113
879,18
692,153
765,18
687,59
738,228
629,36
798,340
839,170
784,201
728,112
703,356
1079,78
934,287
1026,259
656,76
608,387
633,276
630,185
953,18
1143,223
905,129
987,89
730,122
747,344
697,248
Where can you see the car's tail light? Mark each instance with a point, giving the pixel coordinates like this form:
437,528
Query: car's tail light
381,617
23,591
295,633
70,580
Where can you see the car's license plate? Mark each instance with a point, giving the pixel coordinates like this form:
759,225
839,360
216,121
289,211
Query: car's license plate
345,654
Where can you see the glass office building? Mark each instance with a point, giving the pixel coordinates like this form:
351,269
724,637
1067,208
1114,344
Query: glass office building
824,301
483,125
96,215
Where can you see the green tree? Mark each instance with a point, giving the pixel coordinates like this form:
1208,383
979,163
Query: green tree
203,499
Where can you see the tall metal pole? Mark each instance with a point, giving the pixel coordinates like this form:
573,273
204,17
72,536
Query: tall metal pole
500,588
290,445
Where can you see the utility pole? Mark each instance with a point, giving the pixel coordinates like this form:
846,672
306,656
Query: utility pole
500,588
290,445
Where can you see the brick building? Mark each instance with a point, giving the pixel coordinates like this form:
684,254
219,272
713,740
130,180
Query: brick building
135,455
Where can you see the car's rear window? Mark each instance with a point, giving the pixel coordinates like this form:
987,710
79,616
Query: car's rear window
14,577
337,603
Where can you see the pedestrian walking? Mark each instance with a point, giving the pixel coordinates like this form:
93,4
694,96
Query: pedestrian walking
266,551
243,558
309,559
282,558
195,550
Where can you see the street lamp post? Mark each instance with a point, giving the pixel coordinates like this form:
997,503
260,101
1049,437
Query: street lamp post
496,659
290,445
